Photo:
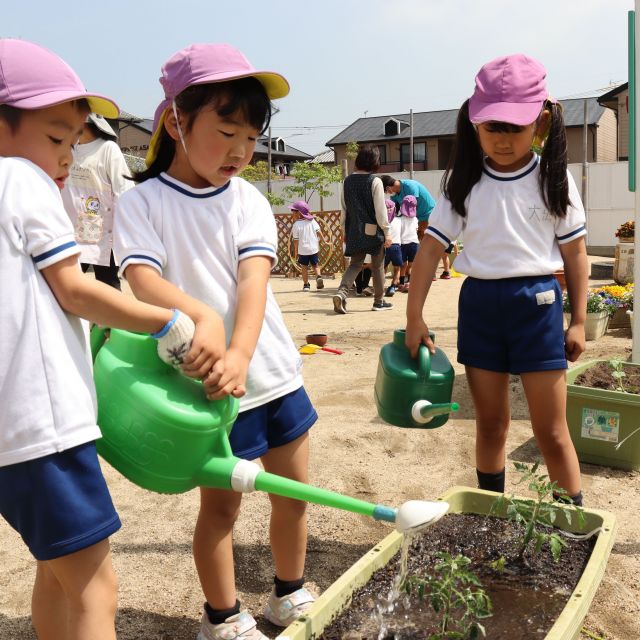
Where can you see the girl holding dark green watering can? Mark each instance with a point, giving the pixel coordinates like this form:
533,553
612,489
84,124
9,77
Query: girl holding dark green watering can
194,236
509,192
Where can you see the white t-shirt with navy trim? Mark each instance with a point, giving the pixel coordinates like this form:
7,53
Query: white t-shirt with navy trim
47,396
195,239
395,230
306,233
408,230
508,232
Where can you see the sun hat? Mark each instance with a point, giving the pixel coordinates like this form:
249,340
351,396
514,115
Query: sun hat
509,89
206,64
302,208
32,77
102,124
391,209
409,207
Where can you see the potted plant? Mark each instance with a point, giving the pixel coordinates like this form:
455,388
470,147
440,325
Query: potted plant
603,412
448,584
626,231
623,297
600,307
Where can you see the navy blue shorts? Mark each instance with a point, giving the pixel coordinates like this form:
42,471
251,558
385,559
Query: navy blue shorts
409,251
60,503
393,255
512,325
305,261
272,425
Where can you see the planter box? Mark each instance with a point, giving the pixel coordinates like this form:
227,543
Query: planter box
462,500
599,419
595,325
619,320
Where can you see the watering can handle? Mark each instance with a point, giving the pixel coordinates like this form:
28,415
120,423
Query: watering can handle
424,362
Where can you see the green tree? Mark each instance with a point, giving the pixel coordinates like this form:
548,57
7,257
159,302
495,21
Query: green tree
256,172
312,177
259,172
352,150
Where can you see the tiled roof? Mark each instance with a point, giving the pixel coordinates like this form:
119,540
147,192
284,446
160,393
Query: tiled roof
262,147
325,157
429,124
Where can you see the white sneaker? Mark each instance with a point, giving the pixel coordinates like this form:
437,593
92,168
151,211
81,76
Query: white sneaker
241,626
283,611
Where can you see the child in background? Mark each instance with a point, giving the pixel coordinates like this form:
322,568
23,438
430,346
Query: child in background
52,491
522,219
306,238
408,239
97,177
194,233
393,253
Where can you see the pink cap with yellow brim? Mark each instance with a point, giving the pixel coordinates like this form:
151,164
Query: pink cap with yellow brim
206,64
32,77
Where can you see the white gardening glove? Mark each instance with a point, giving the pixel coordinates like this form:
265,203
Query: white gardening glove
174,339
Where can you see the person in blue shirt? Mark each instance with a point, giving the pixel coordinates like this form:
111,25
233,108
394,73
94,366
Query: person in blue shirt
397,190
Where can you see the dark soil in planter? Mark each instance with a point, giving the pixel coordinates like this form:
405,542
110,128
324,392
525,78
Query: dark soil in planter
527,597
599,376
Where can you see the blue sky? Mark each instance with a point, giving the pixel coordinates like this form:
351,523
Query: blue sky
343,58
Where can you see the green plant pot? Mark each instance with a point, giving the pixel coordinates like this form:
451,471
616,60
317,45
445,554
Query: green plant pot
462,500
600,419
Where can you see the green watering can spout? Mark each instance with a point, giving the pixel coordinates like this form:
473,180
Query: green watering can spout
424,411
160,432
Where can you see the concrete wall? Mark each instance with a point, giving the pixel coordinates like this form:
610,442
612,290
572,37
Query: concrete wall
609,202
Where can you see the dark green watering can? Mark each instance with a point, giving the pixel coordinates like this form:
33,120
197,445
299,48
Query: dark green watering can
160,432
413,392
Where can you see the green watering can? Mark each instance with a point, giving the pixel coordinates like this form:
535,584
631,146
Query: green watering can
160,432
413,392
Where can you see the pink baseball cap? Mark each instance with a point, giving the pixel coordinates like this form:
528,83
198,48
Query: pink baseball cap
32,77
391,209
206,64
509,89
409,206
302,208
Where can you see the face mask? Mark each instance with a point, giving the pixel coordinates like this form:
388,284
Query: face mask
175,113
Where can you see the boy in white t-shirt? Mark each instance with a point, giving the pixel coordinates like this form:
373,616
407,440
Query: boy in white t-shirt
306,243
52,491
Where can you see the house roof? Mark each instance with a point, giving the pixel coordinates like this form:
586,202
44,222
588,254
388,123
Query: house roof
326,157
146,124
262,148
429,124
609,99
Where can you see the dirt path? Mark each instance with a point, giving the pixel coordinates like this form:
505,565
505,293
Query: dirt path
352,451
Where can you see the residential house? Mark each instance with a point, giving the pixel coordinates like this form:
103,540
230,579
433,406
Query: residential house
282,155
327,158
434,131
134,134
618,101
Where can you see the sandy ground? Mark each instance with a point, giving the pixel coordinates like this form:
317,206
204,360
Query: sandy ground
352,451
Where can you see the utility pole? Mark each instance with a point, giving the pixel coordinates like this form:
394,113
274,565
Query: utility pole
411,143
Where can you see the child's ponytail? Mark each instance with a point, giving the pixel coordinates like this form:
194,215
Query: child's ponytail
554,184
465,163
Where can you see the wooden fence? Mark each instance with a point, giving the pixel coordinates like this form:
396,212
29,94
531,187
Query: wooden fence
331,254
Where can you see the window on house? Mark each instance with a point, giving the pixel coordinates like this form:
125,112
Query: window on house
419,152
391,127
383,153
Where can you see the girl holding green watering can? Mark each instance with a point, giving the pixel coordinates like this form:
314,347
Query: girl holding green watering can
196,237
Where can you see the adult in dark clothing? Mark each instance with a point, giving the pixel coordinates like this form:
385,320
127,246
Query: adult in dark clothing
366,227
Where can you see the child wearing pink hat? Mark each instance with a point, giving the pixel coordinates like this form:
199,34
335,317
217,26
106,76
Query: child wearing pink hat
194,235
307,237
509,191
52,491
